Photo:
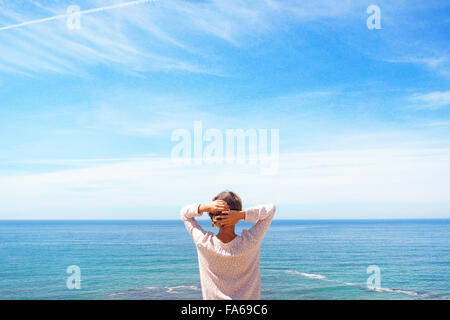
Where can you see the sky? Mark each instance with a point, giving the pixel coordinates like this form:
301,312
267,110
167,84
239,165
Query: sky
88,114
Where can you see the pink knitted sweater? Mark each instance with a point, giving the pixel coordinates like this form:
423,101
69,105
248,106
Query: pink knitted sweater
230,270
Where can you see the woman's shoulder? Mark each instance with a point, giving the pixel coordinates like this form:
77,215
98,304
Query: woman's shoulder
204,238
248,237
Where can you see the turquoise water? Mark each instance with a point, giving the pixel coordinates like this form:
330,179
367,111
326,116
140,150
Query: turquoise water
157,259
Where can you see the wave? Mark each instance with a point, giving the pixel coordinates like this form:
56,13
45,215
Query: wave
181,287
193,292
318,277
409,293
181,291
307,275
418,295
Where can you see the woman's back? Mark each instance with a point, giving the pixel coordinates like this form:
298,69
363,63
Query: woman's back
230,270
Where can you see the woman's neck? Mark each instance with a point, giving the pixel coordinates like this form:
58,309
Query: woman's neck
226,234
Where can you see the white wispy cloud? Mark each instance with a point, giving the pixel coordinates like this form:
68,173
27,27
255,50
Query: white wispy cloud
440,64
176,35
166,35
431,62
390,175
437,124
432,100
412,35
104,38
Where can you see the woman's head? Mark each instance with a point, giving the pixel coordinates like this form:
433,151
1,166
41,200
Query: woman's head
234,203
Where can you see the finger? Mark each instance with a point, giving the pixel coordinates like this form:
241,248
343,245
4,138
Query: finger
223,203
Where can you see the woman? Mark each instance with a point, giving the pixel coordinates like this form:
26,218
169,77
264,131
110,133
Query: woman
228,263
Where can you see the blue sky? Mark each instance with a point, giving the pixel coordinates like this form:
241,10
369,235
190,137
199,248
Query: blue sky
86,115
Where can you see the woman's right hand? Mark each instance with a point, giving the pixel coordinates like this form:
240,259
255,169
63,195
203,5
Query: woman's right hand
214,207
230,218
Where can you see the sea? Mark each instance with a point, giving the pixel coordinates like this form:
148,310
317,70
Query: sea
300,259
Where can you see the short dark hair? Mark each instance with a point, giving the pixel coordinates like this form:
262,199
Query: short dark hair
232,199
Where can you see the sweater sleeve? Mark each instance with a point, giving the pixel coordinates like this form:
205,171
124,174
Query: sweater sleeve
188,214
262,215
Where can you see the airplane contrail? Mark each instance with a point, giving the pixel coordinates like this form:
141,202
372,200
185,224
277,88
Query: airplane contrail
61,16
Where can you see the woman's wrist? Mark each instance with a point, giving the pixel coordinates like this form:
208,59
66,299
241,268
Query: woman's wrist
202,208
